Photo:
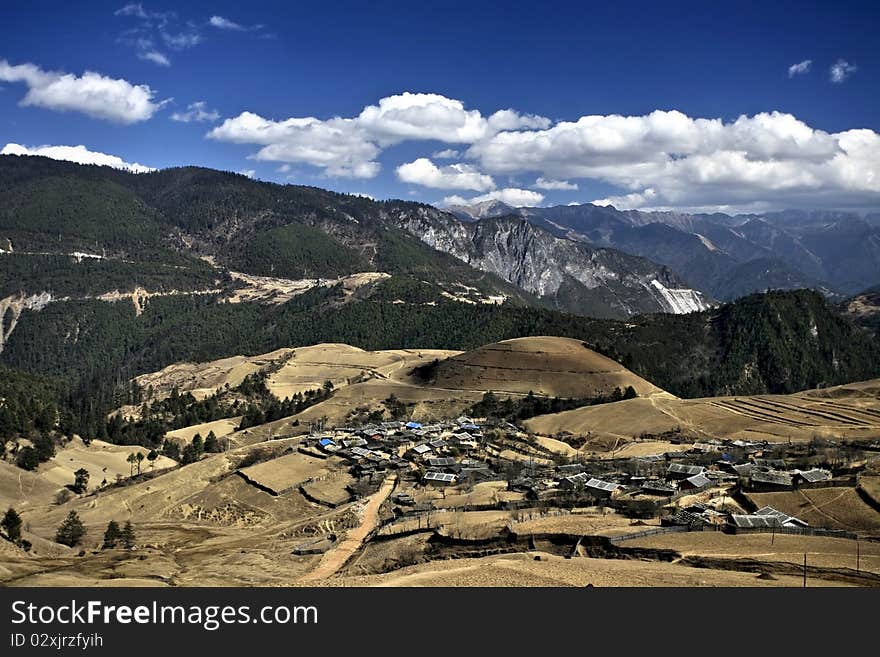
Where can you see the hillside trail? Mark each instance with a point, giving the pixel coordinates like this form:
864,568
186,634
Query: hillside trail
822,512
334,559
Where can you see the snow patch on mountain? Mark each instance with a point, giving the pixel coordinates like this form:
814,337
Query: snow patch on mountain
680,301
707,242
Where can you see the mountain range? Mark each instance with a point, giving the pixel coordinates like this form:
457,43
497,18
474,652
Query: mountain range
724,256
197,225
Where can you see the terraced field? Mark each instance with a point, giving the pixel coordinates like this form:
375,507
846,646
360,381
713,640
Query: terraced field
849,412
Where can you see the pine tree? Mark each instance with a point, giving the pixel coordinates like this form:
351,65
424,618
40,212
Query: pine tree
211,443
127,535
81,481
171,449
198,445
71,531
112,535
11,524
189,455
27,458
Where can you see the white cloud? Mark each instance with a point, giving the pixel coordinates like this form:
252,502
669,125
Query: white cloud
249,173
628,201
222,23
337,145
182,40
800,68
421,116
564,185
512,196
92,94
841,70
349,146
156,57
686,162
509,195
157,27
661,159
196,112
132,9
225,23
455,176
79,154
512,120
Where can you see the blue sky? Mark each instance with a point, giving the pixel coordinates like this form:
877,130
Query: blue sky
693,105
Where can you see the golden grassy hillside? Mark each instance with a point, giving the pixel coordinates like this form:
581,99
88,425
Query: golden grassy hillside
544,365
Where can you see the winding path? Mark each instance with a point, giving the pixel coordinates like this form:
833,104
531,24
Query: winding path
338,556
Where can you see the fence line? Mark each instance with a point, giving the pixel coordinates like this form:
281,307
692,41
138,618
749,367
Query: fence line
797,531
650,532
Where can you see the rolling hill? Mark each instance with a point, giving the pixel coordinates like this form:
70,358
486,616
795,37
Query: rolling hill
545,365
850,412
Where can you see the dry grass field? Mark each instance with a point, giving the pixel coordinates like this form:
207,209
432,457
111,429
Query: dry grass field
152,500
196,525
831,508
643,448
870,485
331,489
822,552
288,471
544,365
470,525
103,461
22,489
203,379
485,492
849,412
220,428
308,367
592,523
516,570
291,370
556,446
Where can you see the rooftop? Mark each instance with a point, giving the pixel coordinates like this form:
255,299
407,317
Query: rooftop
439,476
601,485
685,469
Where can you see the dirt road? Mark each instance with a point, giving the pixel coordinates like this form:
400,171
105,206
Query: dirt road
337,557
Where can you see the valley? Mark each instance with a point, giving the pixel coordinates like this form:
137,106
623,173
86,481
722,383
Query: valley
394,481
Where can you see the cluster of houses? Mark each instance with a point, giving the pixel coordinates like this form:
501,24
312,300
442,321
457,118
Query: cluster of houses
698,514
443,452
673,474
452,452
448,452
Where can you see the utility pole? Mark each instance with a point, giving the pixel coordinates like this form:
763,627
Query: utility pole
858,556
805,570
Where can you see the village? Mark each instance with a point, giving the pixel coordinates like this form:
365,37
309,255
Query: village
711,485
